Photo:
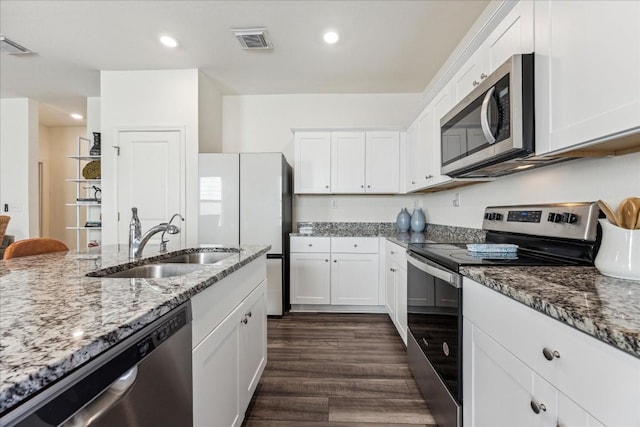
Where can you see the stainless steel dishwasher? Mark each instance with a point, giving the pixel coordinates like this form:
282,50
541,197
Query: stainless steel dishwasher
144,381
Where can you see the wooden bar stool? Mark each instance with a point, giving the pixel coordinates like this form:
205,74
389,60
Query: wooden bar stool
35,246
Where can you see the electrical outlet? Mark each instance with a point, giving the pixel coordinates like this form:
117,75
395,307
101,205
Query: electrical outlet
334,203
456,200
416,203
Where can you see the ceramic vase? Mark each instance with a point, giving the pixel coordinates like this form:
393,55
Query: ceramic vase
619,253
403,220
418,220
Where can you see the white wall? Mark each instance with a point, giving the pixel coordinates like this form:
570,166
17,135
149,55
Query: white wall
19,165
263,123
209,115
610,179
43,157
147,100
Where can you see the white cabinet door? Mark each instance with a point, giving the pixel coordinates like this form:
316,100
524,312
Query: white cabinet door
382,172
468,76
310,278
390,287
587,69
253,343
570,414
347,162
313,162
151,178
497,387
354,279
426,126
216,366
401,301
442,103
513,35
413,155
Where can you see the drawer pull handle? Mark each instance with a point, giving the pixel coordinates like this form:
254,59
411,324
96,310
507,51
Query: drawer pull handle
550,354
355,246
244,321
537,407
249,314
310,244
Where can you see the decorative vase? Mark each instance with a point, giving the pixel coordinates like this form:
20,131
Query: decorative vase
95,148
403,220
418,220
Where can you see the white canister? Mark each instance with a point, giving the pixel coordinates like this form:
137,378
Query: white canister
619,253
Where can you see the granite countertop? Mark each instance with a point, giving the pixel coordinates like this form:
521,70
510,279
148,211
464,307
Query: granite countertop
603,307
53,318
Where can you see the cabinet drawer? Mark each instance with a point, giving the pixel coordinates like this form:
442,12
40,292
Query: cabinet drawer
600,378
396,253
310,244
356,245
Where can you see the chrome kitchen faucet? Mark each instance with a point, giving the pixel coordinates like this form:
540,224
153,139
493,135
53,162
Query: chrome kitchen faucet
137,240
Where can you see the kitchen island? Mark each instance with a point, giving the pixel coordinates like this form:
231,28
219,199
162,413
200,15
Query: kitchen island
54,319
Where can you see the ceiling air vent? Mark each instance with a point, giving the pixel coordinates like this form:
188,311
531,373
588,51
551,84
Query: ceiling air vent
253,38
9,47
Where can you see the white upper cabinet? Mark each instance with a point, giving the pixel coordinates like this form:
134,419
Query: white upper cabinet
382,162
313,162
347,162
513,35
413,154
587,68
442,103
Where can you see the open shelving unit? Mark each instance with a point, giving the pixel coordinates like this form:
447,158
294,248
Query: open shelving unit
84,190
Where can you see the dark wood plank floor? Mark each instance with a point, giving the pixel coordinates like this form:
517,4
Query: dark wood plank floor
338,370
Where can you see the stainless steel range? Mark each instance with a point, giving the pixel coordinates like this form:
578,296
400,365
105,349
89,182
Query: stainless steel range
545,235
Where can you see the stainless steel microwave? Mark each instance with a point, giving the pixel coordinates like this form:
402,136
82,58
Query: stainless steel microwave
491,131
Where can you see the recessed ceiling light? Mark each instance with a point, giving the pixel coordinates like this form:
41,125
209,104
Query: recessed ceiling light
331,37
168,41
76,116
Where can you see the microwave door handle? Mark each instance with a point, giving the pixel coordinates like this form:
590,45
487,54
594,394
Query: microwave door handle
484,116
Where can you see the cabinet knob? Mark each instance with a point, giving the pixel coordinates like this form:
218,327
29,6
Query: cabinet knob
550,354
368,186
326,186
483,76
244,321
310,244
428,177
537,407
392,252
475,83
355,245
335,260
326,260
362,186
413,182
248,314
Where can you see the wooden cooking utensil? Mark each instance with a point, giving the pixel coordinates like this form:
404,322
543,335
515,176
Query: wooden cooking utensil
627,213
609,213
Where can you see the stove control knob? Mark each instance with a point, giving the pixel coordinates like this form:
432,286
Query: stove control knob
554,217
499,217
487,215
490,216
569,218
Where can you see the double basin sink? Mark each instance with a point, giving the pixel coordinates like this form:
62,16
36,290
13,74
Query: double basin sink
178,265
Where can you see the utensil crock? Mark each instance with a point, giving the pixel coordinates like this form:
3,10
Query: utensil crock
619,253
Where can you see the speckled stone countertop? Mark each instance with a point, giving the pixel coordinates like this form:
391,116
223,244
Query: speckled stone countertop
603,307
432,233
53,318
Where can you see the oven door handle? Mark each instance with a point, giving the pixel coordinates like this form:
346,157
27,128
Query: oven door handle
434,271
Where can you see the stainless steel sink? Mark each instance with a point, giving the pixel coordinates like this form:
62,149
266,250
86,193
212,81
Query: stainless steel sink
154,271
199,257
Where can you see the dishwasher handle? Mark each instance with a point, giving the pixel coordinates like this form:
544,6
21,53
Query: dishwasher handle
105,401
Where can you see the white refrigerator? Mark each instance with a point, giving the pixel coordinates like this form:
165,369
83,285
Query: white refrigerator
245,199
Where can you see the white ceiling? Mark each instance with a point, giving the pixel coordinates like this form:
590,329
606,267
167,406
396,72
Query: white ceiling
390,46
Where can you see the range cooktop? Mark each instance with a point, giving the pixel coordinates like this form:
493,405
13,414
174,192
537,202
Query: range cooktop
546,235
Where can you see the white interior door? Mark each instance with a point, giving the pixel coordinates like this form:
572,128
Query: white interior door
150,177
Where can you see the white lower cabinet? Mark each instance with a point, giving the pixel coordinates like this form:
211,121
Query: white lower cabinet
334,271
396,287
523,368
229,360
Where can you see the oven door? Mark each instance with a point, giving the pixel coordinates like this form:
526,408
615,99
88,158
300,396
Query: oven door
434,316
